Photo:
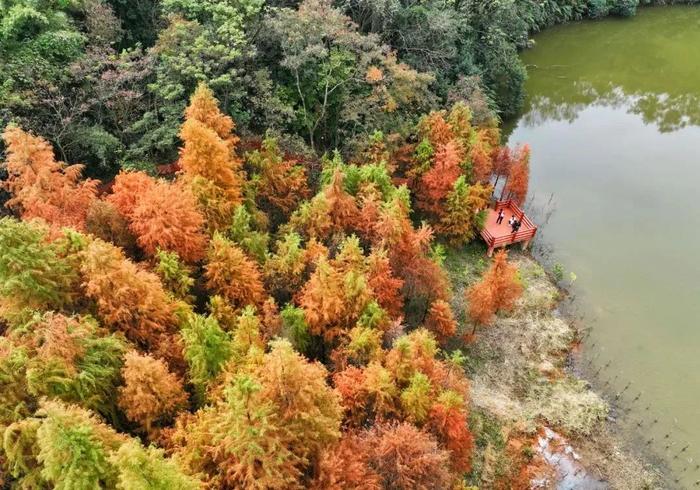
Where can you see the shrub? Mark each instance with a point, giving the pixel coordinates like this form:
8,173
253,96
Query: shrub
598,8
624,8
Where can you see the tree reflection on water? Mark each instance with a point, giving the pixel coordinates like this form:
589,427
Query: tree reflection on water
668,112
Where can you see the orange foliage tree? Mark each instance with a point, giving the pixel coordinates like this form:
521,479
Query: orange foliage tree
342,208
150,392
337,292
40,186
370,201
209,145
482,164
358,398
269,430
405,383
481,303
406,458
502,162
206,155
448,422
409,249
204,108
498,290
435,129
437,182
128,298
232,274
127,189
519,177
440,320
345,466
279,183
160,214
166,217
385,285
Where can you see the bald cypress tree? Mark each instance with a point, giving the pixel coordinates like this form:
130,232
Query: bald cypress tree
208,158
498,290
40,186
232,274
34,272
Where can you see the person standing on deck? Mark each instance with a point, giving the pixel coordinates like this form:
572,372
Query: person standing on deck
501,215
516,226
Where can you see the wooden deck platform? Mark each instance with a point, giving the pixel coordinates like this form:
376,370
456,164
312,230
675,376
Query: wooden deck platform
496,235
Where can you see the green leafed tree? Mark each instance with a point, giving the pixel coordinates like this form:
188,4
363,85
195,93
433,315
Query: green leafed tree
294,328
175,275
207,348
74,448
142,468
337,79
66,447
33,274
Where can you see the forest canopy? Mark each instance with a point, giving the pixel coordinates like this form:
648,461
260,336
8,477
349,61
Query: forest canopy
106,81
223,237
239,324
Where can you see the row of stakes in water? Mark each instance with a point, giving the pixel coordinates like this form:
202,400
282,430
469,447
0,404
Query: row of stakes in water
668,443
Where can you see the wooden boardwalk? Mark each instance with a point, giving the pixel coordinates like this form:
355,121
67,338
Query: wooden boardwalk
496,235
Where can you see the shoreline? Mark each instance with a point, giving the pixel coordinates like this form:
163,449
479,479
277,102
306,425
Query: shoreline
531,397
621,432
624,435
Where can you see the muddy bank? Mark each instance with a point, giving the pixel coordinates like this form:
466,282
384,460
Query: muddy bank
536,423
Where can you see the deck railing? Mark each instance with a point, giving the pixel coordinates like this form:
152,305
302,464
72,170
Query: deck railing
516,209
524,235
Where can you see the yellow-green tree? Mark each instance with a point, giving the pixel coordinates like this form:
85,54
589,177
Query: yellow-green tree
275,417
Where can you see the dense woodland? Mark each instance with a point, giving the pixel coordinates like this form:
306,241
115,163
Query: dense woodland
232,326
221,263
106,81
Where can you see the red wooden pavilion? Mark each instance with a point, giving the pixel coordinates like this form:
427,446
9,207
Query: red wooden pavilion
496,235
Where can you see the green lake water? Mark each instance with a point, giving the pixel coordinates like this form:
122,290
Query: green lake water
613,119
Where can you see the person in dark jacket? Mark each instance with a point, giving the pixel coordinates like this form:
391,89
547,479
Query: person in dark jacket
501,215
516,226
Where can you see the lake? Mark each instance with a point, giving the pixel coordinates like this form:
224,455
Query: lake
613,119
